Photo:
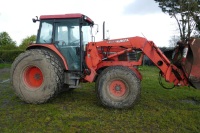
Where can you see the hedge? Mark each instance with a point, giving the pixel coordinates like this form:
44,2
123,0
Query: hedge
8,56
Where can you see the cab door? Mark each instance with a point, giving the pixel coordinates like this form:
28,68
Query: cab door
67,40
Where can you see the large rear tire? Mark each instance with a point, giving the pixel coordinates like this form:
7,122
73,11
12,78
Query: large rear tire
36,76
118,87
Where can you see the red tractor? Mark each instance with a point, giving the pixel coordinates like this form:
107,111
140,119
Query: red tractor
65,55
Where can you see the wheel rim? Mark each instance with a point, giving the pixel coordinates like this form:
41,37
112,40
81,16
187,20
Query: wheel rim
33,77
117,88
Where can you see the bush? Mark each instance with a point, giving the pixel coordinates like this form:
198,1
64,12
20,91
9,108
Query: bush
9,55
27,41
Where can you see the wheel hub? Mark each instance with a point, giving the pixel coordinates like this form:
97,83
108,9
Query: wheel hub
33,77
37,76
117,88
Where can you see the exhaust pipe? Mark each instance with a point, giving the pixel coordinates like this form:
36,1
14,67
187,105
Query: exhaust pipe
104,30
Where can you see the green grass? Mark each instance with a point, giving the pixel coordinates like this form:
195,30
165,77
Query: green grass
4,65
158,111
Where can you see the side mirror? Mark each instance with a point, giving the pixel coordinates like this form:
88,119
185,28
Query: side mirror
95,29
35,20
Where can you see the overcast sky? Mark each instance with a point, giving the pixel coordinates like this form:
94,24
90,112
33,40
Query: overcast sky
125,18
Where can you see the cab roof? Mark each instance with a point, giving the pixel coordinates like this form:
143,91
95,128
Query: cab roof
63,16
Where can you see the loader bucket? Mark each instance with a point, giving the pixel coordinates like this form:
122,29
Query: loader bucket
192,64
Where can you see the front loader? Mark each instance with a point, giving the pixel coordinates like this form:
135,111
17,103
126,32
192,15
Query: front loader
65,55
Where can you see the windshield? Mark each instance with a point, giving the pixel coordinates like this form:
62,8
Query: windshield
65,31
46,32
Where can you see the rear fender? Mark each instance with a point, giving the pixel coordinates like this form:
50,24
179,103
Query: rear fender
53,49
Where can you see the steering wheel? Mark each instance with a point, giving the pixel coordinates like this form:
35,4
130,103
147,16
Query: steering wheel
75,42
62,42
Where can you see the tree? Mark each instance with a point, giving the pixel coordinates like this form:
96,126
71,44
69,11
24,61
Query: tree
198,24
184,11
173,41
27,41
197,21
6,42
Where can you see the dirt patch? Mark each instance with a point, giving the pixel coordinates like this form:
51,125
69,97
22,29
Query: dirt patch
191,101
4,77
5,95
4,74
4,70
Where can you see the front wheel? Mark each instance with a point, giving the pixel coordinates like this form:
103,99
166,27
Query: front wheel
36,76
118,87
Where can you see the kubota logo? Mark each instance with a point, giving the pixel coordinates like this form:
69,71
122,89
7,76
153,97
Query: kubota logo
118,41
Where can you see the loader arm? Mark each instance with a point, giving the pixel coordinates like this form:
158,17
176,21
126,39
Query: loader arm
107,53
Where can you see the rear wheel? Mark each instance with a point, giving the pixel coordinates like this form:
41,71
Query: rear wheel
36,76
118,87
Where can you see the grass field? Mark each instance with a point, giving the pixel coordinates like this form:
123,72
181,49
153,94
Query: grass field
158,111
5,65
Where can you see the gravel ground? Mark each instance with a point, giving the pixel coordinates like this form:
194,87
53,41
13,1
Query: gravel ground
3,72
4,78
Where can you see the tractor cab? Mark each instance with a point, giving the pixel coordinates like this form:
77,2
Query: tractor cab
69,33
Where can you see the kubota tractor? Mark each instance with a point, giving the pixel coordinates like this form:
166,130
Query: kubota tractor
65,55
